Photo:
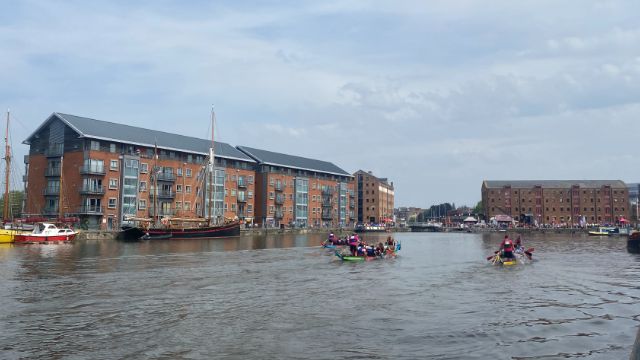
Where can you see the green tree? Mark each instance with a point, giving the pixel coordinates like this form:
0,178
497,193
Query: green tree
15,203
479,209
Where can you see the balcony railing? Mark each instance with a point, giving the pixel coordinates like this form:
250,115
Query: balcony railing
52,172
242,198
326,215
92,170
278,215
242,183
162,212
327,191
92,190
50,211
166,194
55,150
278,186
166,177
279,199
51,191
90,210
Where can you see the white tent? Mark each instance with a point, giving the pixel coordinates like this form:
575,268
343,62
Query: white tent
470,219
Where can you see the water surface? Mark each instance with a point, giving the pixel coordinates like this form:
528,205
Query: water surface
281,296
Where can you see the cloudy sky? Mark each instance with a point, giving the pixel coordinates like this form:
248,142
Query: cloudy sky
437,96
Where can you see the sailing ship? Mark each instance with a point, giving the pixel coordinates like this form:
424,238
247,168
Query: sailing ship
210,226
7,232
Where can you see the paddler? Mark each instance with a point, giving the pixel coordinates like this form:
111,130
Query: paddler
506,246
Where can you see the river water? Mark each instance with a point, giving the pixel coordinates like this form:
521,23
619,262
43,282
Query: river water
283,297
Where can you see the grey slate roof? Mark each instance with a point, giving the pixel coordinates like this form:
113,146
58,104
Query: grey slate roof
555,184
291,161
110,131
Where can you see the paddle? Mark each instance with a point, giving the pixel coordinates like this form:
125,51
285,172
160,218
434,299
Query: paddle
494,255
528,252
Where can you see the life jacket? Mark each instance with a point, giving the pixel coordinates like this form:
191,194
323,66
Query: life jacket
508,245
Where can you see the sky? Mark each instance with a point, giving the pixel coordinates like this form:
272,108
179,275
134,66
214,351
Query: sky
436,96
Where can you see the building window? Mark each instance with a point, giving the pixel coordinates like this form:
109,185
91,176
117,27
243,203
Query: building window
143,186
187,205
178,205
112,203
142,204
113,183
249,208
95,145
250,179
178,188
271,195
271,209
144,168
187,189
112,148
233,192
188,172
271,182
114,165
233,207
250,194
179,171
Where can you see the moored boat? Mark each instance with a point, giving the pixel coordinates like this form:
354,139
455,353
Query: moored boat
46,233
210,224
602,231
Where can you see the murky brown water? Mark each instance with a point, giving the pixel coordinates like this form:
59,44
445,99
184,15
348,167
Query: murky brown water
283,297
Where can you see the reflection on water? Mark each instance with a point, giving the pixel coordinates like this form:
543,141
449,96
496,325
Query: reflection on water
282,296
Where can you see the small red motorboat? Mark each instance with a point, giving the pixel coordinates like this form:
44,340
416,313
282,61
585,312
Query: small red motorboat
46,233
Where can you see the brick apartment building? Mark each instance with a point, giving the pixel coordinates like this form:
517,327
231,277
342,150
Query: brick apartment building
103,172
557,201
301,191
375,197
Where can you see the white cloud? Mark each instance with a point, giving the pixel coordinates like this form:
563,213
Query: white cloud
436,95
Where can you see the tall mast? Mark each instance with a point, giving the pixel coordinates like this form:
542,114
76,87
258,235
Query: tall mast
211,166
7,159
156,172
60,192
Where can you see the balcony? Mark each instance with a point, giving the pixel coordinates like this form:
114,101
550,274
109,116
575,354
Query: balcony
90,210
278,215
279,199
242,183
326,215
55,150
50,211
92,170
352,206
278,186
52,172
328,191
241,198
92,190
166,194
162,212
166,177
51,191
